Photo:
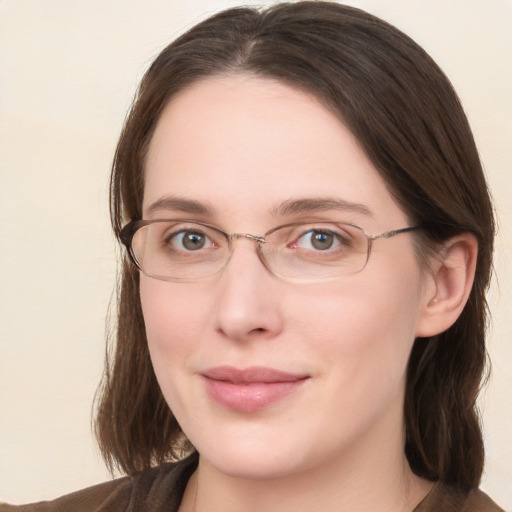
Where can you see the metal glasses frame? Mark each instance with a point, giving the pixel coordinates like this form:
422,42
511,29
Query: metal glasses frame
128,232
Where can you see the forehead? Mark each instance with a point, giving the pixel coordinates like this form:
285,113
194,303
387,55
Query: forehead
242,145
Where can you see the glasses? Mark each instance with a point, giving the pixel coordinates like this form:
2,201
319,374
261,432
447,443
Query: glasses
185,251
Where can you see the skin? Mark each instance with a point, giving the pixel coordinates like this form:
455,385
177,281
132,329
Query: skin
242,146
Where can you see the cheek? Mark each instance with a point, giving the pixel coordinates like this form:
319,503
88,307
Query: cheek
365,328
170,309
173,317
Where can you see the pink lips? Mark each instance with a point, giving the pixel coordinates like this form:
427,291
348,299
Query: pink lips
250,389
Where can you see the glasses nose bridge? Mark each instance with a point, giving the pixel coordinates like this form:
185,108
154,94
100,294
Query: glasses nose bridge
254,238
259,242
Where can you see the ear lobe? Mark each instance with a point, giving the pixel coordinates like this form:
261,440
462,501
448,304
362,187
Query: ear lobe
453,273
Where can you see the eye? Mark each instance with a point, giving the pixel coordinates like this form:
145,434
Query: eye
319,240
189,240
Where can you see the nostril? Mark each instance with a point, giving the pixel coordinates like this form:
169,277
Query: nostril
257,331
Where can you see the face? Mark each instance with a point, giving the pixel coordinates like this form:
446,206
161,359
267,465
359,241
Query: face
268,377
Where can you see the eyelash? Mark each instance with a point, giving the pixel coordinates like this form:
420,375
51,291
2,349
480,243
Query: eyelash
171,240
338,240
175,239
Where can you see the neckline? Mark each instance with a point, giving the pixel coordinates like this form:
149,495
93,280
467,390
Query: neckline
188,465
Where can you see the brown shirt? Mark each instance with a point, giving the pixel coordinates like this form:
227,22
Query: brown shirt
160,489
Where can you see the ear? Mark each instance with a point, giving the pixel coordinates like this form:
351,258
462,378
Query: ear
449,285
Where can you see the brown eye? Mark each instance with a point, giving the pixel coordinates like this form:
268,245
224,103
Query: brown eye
190,240
318,240
321,240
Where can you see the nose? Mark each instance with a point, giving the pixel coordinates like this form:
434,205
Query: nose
248,301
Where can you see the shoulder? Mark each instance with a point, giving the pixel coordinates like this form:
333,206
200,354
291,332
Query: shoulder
448,499
159,488
96,498
478,501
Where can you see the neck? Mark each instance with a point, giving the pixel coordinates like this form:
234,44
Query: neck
362,479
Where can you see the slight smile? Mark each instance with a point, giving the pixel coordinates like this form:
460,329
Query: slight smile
250,389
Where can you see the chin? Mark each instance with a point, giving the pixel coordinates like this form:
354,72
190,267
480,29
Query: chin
253,465
262,453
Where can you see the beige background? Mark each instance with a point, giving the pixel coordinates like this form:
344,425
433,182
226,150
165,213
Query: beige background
68,72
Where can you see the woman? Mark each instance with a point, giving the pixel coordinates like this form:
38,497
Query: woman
302,313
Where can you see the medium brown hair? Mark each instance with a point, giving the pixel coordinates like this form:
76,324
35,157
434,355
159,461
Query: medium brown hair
408,119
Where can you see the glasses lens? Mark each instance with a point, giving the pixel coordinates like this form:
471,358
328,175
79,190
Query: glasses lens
179,251
316,251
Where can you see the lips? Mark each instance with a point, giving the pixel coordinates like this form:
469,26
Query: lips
250,389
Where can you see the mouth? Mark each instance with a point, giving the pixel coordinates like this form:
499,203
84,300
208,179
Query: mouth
250,389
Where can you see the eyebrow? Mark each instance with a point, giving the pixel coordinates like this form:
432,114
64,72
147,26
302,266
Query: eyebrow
286,208
315,204
179,204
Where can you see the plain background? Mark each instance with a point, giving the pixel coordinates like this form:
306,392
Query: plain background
68,71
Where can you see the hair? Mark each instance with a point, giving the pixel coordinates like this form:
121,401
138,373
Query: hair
408,119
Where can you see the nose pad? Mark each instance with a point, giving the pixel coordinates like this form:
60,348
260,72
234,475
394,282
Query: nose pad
246,306
259,240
